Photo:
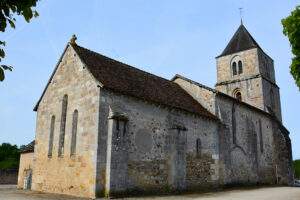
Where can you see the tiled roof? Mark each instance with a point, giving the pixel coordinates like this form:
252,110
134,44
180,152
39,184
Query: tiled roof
128,80
241,40
28,148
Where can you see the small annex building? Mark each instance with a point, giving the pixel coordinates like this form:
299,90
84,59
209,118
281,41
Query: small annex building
25,167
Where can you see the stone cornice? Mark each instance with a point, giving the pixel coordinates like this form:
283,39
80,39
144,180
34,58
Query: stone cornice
247,78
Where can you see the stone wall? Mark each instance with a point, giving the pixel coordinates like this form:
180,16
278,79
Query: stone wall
204,95
25,167
251,91
151,148
76,174
256,81
272,98
249,82
253,148
247,145
8,176
266,65
249,59
283,152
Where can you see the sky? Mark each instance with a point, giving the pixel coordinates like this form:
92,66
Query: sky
164,37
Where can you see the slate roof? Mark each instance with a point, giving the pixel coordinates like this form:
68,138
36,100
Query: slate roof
241,40
128,80
29,148
122,78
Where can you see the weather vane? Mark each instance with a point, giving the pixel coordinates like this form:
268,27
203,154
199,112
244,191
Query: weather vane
241,14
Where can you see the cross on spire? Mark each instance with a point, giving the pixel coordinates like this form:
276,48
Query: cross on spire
241,14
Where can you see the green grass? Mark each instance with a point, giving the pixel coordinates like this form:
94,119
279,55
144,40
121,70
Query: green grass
297,168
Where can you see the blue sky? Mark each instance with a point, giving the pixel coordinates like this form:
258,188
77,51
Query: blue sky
163,37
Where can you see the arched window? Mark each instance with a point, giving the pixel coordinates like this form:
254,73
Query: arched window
240,64
63,125
198,147
74,132
237,94
234,71
51,135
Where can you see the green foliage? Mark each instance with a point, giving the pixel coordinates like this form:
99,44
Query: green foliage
9,156
297,168
8,9
291,28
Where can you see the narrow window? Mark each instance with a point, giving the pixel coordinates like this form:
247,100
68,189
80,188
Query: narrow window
240,64
63,126
51,135
74,132
198,147
272,100
267,69
118,127
261,137
233,123
234,72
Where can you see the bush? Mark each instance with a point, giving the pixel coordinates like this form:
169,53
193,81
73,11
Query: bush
9,156
297,168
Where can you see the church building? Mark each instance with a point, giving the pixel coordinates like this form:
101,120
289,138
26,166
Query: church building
105,128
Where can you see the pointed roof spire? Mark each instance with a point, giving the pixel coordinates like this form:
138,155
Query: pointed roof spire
241,15
241,40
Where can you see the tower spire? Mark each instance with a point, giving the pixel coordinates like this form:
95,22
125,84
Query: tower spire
241,15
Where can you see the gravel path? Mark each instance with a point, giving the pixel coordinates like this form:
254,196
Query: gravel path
269,193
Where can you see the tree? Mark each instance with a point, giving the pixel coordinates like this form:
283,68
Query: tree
8,9
297,168
9,156
291,28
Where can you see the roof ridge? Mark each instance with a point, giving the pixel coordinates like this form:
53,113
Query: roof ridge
123,63
192,81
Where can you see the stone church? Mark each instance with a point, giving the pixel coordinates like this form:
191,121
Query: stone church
105,128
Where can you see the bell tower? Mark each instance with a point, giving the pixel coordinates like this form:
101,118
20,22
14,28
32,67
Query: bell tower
246,72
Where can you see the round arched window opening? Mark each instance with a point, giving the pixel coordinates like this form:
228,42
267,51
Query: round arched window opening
236,65
234,70
240,64
237,94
